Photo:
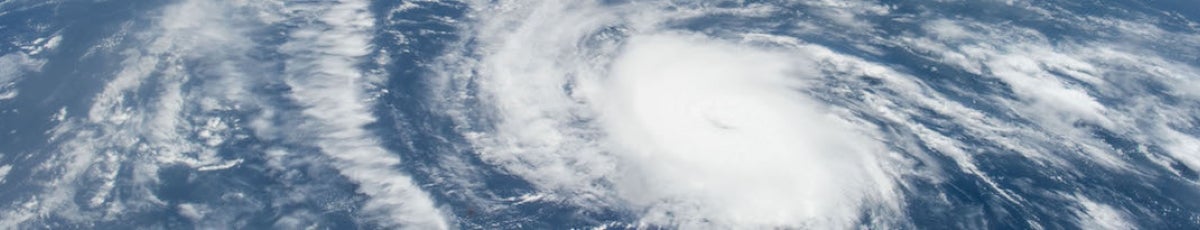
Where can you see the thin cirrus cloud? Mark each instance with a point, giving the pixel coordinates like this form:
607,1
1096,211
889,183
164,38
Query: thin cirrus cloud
324,78
207,44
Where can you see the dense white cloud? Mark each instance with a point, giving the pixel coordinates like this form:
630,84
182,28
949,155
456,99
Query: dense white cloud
631,108
717,133
604,103
680,128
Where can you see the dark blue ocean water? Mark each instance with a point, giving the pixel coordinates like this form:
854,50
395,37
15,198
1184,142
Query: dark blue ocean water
45,184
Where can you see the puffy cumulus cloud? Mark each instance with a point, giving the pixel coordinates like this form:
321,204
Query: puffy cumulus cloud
1093,215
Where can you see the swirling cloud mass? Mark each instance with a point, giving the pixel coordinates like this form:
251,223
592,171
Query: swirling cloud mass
517,114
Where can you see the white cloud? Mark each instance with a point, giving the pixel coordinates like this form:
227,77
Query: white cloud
325,79
534,136
686,130
192,212
1182,146
4,172
128,126
716,133
1093,215
1052,83
600,105
13,67
541,97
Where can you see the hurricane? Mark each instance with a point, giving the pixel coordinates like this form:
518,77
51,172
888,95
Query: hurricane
599,114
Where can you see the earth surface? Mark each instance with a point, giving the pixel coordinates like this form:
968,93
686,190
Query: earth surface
605,114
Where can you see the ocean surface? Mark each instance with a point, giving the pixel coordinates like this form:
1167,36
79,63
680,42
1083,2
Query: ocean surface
599,114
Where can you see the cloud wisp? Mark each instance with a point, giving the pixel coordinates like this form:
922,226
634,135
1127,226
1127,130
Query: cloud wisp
194,82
